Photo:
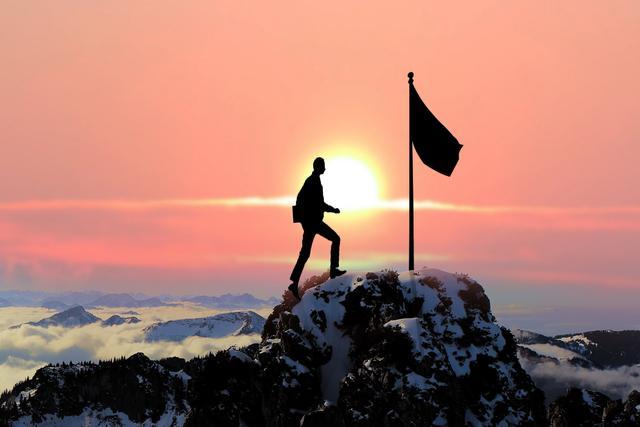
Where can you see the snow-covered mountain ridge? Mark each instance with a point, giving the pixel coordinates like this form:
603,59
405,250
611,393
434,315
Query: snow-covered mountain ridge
77,316
604,349
217,326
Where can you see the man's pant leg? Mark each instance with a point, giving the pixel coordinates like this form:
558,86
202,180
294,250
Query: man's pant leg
305,251
327,232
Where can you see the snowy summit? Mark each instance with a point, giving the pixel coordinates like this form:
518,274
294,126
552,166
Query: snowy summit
70,318
420,347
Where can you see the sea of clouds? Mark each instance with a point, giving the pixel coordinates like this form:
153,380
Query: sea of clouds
23,350
554,379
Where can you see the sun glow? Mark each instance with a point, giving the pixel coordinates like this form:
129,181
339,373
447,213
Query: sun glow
349,184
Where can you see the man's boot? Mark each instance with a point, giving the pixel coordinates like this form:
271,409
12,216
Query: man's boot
335,272
293,287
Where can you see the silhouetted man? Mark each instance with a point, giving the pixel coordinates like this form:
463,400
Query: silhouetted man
311,208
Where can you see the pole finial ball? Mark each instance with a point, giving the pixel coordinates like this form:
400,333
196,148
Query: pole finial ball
410,75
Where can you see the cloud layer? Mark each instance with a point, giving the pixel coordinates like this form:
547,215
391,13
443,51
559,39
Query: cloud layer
554,379
25,349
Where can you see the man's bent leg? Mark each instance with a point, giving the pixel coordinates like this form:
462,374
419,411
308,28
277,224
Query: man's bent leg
327,232
305,251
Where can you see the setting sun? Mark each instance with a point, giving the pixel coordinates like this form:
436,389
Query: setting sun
349,184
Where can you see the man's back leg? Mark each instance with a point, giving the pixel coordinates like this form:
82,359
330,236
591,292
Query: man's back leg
305,252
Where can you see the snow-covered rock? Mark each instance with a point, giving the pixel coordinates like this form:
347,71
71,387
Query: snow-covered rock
419,348
528,337
122,392
217,326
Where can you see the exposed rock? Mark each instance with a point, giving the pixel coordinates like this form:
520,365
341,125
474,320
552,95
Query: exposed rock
580,407
116,320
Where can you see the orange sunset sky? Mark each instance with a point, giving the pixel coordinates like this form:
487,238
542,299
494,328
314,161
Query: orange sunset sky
153,146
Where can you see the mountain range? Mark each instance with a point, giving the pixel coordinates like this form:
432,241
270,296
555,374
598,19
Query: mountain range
77,316
64,300
125,300
381,349
233,301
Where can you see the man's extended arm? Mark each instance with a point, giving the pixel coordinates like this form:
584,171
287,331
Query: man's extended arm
329,208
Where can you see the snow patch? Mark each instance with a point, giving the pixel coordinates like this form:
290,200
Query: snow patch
580,339
237,354
586,396
336,368
90,418
554,351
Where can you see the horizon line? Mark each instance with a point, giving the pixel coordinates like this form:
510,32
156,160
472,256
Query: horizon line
400,204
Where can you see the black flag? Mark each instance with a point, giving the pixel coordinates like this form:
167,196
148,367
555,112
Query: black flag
433,142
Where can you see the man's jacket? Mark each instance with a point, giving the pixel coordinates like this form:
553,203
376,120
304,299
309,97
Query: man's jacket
310,200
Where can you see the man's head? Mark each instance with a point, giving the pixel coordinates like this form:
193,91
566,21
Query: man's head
318,166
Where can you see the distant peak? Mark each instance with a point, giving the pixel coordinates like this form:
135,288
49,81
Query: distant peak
75,309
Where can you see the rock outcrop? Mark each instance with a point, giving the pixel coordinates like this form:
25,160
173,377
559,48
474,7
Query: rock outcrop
385,349
580,407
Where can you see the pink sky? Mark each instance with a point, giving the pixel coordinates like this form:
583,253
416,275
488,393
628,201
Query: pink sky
115,113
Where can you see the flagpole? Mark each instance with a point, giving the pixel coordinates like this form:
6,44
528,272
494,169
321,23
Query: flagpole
411,265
